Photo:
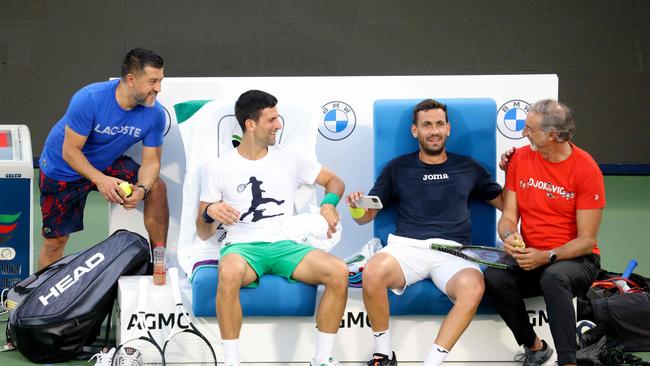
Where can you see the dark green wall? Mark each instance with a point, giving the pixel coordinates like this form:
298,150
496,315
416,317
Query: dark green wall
625,229
599,49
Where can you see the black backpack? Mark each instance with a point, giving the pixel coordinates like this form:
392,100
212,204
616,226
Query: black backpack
57,311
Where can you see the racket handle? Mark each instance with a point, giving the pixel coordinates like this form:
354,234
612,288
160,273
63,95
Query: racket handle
176,288
142,292
630,268
622,285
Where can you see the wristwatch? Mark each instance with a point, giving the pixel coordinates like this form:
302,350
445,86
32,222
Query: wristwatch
552,257
145,189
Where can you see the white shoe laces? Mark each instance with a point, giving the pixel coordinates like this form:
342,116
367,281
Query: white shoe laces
103,357
330,362
130,359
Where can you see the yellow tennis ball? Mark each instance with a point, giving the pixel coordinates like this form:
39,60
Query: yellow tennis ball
356,212
520,244
126,188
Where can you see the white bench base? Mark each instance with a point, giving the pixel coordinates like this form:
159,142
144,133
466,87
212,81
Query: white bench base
287,340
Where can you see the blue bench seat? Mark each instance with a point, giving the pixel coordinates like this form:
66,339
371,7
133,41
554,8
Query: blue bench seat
275,296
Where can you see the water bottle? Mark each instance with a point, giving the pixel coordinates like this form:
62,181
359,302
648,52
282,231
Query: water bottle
159,264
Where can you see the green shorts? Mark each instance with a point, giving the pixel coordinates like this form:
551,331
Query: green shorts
280,258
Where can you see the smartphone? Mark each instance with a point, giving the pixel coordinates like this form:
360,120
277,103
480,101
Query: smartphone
369,202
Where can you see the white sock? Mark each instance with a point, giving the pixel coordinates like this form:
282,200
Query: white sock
324,346
231,352
436,356
382,343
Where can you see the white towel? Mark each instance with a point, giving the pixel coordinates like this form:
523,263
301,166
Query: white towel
358,259
311,229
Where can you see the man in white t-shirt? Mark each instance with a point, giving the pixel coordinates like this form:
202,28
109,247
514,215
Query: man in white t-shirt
250,190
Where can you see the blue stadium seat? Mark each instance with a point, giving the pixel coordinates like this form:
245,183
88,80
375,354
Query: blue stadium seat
275,296
473,134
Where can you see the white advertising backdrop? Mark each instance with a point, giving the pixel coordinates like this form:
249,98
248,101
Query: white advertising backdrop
340,112
342,108
287,340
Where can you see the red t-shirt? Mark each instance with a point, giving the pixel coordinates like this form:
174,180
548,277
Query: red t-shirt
548,195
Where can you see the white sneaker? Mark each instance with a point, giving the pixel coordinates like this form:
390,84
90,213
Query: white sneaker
104,357
129,356
330,362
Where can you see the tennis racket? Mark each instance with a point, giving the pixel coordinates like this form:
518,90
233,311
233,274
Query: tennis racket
241,187
488,256
186,346
142,349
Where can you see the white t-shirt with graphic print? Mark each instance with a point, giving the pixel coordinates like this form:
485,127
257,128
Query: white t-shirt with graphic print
261,190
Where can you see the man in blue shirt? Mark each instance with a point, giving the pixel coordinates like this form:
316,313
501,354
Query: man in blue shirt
84,152
430,189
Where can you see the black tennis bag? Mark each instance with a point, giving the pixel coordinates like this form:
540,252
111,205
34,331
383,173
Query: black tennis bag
57,311
626,318
623,317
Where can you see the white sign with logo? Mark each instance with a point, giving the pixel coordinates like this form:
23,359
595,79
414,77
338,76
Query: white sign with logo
342,110
282,340
342,107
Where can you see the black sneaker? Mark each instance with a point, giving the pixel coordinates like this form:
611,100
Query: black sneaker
535,358
380,359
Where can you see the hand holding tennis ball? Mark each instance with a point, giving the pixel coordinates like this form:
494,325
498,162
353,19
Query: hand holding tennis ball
519,243
126,189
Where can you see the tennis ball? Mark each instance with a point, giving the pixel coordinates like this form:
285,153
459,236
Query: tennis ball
126,188
356,212
583,326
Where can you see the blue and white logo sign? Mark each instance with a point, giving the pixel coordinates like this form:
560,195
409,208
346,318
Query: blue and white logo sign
511,118
339,121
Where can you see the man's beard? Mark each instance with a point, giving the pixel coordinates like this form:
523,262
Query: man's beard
143,100
431,151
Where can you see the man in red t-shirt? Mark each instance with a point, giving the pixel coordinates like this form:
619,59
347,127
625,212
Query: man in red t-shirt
557,191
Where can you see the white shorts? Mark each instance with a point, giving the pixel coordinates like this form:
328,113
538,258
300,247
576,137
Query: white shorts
419,263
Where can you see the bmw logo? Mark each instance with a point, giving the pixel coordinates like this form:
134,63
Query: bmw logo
511,118
339,121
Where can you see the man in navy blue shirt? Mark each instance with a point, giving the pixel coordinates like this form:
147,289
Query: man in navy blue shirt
84,152
429,189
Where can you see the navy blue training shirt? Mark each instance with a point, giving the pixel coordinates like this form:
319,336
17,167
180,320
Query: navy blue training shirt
432,200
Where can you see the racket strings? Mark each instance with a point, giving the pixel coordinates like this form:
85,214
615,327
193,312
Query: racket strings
188,348
494,256
137,352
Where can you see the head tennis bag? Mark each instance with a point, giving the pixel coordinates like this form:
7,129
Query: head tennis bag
60,309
